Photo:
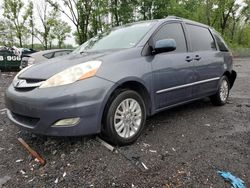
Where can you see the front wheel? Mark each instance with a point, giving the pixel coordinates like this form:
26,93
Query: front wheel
221,97
125,118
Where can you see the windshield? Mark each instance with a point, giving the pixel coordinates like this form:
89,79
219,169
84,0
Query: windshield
121,37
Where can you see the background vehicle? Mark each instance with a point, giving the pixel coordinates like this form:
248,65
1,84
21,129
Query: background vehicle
10,58
43,55
111,83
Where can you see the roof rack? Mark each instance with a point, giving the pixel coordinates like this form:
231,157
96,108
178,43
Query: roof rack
174,17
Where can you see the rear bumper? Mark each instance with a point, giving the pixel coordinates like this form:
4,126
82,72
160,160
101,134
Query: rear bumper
37,110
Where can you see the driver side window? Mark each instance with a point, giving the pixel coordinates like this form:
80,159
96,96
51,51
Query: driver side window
172,31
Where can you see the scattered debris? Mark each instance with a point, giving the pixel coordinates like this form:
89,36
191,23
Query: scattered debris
64,174
18,132
182,135
22,172
2,149
31,180
173,149
1,130
208,125
152,151
40,159
235,181
56,181
63,156
144,166
181,172
146,145
4,180
133,186
108,146
19,160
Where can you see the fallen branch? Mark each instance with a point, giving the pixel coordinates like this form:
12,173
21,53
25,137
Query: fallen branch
32,152
3,110
105,144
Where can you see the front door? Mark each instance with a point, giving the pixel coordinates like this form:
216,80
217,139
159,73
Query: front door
173,72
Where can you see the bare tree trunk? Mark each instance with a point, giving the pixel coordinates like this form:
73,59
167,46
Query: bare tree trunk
32,38
116,13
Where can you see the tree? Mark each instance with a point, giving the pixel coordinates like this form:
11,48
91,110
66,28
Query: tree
78,13
32,24
12,12
6,30
48,19
88,16
61,31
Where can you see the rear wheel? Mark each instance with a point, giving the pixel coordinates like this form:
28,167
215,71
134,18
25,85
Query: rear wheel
125,118
221,97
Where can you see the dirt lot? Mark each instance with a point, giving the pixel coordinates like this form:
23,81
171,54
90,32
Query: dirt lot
181,147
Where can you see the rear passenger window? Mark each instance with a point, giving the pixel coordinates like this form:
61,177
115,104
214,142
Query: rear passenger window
201,38
172,31
222,45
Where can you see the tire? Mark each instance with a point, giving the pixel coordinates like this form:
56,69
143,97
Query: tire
121,127
221,96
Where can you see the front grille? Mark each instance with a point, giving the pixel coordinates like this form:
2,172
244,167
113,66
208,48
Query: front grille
29,121
32,81
27,83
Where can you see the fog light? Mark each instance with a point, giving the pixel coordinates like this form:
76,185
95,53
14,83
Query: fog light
66,122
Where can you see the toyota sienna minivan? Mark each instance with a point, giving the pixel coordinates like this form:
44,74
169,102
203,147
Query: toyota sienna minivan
112,82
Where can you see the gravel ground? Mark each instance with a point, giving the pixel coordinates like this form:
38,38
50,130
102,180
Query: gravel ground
181,147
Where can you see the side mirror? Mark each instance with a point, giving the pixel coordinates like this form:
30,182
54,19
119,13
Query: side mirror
164,45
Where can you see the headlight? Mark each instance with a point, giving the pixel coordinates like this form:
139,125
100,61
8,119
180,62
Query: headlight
31,61
73,74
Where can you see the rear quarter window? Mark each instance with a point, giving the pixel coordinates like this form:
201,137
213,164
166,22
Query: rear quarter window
201,38
221,43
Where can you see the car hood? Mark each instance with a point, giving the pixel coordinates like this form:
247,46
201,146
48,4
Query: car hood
48,68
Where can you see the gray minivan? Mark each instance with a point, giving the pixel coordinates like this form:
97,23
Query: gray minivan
112,82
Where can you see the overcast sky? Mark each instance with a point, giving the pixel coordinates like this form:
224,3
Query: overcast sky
69,40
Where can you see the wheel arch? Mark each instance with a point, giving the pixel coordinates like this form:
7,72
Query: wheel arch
231,77
132,84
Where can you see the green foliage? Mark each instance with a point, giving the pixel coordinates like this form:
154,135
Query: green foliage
61,31
12,12
93,16
6,30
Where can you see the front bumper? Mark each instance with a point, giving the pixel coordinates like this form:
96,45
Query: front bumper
36,110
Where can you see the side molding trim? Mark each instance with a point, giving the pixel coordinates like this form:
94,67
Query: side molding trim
187,85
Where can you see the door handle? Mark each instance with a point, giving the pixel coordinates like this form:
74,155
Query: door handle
197,58
189,59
